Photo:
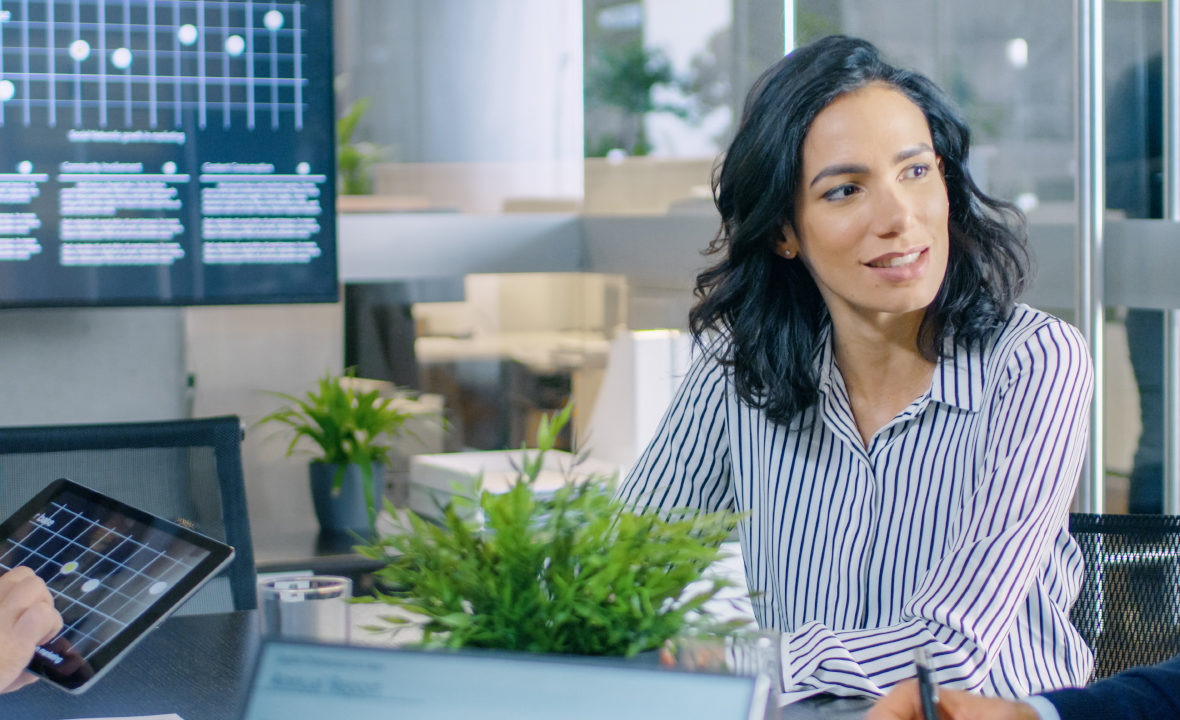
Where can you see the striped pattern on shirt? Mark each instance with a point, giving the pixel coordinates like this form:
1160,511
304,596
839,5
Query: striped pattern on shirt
948,531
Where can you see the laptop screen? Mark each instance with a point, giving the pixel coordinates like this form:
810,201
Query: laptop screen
305,680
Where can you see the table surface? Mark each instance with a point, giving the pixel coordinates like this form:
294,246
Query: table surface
199,666
196,666
306,547
827,708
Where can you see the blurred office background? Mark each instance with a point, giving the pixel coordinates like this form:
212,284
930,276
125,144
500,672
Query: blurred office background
536,193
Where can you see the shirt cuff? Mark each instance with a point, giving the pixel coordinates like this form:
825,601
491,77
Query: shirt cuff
1043,708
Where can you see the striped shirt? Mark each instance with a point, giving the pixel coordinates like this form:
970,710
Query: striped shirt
948,531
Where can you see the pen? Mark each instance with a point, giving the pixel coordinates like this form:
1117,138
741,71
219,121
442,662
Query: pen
927,689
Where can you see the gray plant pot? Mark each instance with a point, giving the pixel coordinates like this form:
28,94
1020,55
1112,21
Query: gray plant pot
344,511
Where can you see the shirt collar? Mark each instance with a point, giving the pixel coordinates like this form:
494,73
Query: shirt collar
825,360
958,377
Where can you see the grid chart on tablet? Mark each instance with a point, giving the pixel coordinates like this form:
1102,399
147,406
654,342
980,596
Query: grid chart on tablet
125,63
101,576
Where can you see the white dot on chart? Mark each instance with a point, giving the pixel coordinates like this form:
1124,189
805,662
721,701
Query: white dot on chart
7,90
273,20
303,168
168,168
186,34
90,585
158,588
234,45
24,167
69,568
121,58
79,50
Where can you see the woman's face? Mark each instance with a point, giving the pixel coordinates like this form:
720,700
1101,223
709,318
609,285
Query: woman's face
871,210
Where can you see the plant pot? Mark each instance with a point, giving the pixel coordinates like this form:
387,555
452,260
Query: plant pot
345,510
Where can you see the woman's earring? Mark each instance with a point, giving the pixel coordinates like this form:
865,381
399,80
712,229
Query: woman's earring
788,254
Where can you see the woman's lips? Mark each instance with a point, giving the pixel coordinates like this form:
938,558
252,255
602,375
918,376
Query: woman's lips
900,267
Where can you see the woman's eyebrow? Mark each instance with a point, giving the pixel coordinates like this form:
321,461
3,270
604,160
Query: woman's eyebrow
841,169
910,152
854,169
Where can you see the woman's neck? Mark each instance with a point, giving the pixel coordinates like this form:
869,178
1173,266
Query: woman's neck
883,369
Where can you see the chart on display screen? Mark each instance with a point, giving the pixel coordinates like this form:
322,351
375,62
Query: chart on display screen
166,152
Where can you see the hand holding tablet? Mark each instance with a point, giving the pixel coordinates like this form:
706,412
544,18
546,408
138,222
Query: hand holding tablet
27,618
113,572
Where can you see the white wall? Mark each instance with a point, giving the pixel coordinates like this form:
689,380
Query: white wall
64,366
236,355
69,366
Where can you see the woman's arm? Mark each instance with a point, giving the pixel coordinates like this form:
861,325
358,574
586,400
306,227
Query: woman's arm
686,464
966,605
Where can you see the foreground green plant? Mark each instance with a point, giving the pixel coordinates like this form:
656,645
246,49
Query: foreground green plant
575,572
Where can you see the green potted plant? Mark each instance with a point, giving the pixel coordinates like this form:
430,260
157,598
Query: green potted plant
354,159
621,79
351,431
574,572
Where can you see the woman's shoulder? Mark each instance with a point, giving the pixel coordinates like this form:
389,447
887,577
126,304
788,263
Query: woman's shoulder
711,357
1026,322
1034,332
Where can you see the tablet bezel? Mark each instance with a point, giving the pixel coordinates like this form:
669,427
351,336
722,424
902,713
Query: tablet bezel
101,660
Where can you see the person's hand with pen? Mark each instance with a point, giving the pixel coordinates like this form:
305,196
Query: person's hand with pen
904,703
922,699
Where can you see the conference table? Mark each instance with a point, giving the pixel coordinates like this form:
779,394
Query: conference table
199,667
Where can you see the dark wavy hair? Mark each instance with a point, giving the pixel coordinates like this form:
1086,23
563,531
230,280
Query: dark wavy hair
768,310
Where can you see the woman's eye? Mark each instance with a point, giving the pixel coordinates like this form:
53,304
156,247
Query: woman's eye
917,171
840,192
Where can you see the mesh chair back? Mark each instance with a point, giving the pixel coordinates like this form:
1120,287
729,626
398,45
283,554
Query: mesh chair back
189,471
1129,608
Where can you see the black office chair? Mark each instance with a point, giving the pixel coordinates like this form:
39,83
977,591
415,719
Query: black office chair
185,470
1129,607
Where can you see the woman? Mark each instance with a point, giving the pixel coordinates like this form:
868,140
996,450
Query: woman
904,437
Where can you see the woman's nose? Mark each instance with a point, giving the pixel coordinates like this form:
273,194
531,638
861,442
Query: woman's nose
891,210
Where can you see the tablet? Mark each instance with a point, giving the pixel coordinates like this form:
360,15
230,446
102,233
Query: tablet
114,571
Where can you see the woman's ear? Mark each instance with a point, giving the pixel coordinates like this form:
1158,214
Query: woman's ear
788,247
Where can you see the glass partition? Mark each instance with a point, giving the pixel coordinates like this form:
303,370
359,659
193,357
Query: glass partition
664,82
598,108
464,107
603,106
1134,421
608,115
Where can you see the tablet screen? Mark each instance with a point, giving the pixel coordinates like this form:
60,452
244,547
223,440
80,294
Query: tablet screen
114,571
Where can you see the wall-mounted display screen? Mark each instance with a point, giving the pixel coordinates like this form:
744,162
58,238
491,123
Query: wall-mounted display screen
166,152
